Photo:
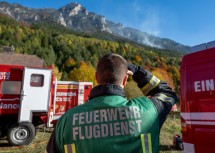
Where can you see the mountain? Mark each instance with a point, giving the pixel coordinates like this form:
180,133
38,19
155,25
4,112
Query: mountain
76,17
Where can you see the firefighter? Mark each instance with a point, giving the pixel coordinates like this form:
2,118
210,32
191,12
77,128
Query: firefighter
110,123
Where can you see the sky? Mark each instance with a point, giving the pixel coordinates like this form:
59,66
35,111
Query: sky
189,22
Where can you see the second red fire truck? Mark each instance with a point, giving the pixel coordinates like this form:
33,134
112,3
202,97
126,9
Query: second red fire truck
197,92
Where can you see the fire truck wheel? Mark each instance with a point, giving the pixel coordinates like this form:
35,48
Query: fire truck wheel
21,134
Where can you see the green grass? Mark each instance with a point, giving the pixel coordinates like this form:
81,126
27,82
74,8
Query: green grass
169,129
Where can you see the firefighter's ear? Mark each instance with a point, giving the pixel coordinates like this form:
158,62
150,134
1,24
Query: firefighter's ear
96,75
124,80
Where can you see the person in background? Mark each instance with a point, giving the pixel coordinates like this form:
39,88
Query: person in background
109,122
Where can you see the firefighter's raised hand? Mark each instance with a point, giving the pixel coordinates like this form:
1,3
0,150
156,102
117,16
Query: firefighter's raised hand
132,69
140,75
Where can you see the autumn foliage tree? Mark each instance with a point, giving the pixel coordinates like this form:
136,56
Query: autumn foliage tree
85,72
56,72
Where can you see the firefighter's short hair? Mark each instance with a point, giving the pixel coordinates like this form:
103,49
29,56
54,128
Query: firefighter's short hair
111,69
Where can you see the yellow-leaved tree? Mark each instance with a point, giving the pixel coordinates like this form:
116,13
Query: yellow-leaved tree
85,72
56,72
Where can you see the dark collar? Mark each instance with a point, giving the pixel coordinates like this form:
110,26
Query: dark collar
109,89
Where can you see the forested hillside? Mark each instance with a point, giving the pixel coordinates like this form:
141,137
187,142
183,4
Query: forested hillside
75,54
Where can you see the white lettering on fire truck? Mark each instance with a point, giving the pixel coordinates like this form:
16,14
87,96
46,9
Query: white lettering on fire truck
4,75
66,94
204,85
9,106
67,99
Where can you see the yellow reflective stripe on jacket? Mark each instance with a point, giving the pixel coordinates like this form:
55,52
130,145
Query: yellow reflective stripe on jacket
146,143
150,143
70,148
150,85
165,98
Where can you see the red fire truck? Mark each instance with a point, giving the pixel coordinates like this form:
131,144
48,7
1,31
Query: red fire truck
197,89
32,96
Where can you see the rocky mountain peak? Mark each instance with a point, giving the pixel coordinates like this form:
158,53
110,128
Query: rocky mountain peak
73,9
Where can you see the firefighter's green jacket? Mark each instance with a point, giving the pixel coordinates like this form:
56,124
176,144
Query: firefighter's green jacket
110,123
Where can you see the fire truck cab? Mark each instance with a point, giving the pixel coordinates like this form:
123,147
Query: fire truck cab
197,96
32,96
